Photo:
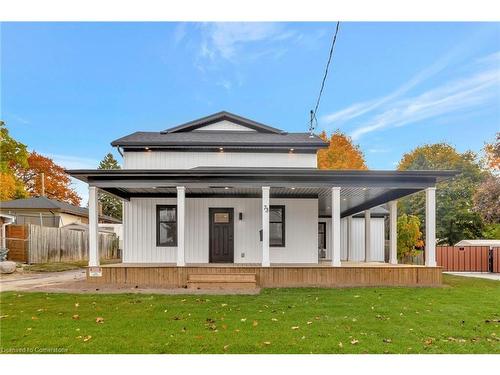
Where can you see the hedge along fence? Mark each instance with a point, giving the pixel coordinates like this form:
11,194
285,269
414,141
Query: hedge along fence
48,245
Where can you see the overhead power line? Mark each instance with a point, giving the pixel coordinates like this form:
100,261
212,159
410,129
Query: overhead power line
313,119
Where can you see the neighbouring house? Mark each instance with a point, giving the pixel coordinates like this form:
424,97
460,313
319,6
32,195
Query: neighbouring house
226,198
48,212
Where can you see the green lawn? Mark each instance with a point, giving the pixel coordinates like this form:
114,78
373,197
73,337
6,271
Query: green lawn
462,317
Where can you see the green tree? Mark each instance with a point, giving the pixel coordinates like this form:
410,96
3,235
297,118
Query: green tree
12,154
409,235
455,217
111,206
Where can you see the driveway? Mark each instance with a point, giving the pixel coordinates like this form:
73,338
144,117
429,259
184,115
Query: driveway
39,281
480,275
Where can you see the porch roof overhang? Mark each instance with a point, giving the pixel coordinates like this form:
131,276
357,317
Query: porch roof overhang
361,190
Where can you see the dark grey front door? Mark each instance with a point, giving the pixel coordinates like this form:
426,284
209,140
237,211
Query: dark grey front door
221,236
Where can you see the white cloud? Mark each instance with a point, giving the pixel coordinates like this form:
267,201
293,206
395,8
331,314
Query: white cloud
359,109
454,96
226,84
180,32
226,39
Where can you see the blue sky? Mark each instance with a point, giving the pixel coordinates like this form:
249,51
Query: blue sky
69,89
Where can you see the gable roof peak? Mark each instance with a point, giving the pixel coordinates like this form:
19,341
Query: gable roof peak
221,116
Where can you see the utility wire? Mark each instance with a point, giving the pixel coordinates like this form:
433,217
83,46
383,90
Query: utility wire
313,112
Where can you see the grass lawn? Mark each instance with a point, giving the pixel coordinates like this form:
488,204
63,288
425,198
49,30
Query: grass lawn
62,266
463,317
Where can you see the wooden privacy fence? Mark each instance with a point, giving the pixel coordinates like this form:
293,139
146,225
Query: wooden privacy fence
46,245
468,258
17,242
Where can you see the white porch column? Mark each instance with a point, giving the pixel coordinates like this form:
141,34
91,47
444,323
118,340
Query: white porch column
368,236
350,241
265,226
393,232
93,227
181,207
335,226
430,227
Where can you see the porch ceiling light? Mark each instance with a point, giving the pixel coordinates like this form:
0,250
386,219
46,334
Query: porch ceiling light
291,150
221,149
147,149
292,188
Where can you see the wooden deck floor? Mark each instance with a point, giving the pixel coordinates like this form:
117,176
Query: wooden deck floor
277,276
239,265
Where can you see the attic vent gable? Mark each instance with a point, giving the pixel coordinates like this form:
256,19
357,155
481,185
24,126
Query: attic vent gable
223,119
225,125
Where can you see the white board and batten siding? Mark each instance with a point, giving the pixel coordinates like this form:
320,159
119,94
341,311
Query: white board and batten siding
301,223
356,253
188,160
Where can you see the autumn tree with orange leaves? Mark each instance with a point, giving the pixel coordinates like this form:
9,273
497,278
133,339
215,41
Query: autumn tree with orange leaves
341,153
57,182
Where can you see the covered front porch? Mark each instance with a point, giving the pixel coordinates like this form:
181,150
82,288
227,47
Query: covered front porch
307,195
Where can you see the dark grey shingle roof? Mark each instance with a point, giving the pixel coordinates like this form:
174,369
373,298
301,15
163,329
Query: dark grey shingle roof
220,138
49,204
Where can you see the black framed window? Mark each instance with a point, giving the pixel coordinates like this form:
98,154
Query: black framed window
277,226
322,235
166,225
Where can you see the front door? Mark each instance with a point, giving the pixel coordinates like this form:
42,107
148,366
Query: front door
221,235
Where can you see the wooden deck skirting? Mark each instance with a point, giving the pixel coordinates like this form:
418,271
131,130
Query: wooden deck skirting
275,277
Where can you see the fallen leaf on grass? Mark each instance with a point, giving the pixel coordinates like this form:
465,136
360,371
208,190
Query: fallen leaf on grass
429,341
87,338
226,347
295,327
99,319
341,345
274,319
267,342
77,304
255,323
387,341
223,304
309,323
34,318
354,341
3,316
75,317
243,319
39,310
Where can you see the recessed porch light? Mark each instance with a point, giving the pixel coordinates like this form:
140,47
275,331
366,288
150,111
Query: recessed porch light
221,149
292,188
291,150
147,149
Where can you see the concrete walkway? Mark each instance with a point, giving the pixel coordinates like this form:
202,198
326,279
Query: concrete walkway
480,275
39,281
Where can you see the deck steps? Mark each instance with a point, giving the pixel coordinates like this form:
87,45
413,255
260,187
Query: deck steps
222,281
